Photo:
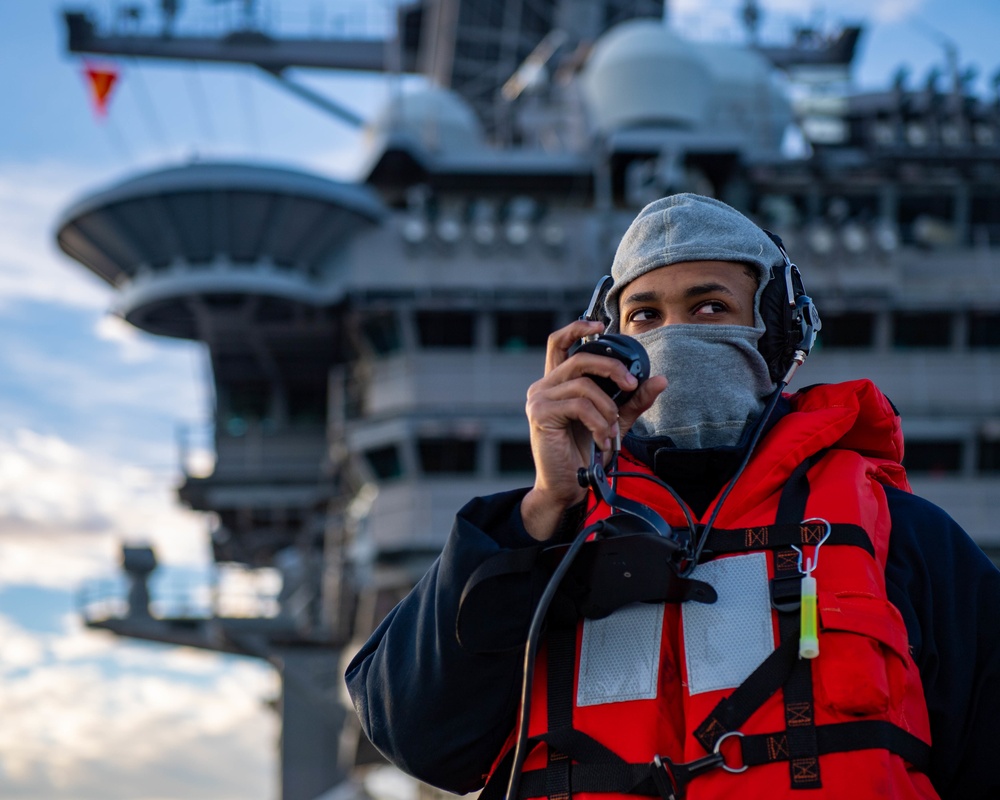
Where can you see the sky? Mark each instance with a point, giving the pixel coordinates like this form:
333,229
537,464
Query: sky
90,409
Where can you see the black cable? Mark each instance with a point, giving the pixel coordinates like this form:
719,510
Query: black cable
685,508
531,650
758,430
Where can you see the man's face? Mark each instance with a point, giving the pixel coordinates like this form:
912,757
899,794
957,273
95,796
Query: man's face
700,292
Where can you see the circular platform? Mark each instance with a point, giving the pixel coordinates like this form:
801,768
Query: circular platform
209,229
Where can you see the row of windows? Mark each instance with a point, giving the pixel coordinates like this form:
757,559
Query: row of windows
945,456
441,456
246,403
912,329
516,330
512,330
451,456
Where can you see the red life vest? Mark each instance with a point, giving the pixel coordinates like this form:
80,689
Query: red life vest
852,721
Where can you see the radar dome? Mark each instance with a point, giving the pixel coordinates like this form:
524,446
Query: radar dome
436,118
640,73
746,98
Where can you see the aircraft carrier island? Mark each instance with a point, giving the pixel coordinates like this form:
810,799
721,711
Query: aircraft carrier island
371,341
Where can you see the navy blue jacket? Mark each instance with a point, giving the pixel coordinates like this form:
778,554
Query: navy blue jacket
442,714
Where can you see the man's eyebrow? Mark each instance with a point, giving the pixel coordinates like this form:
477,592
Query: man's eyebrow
640,297
697,290
707,288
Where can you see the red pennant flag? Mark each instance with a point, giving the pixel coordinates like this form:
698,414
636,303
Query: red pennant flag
101,80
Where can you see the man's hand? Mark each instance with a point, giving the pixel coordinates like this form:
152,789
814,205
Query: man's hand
566,412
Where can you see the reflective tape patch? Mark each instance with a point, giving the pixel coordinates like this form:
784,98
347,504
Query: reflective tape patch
620,656
725,641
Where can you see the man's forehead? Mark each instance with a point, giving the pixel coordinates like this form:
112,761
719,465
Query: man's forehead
687,275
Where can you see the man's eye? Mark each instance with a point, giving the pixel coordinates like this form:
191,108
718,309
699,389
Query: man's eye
711,307
641,315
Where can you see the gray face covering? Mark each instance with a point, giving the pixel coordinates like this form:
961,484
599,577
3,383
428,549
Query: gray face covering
717,383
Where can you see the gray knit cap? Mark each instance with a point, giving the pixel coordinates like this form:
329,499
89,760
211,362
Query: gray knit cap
689,227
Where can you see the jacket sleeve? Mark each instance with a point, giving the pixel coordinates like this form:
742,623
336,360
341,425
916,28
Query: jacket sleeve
435,710
948,592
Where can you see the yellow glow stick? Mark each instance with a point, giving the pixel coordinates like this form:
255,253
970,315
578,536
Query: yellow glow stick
809,625
809,633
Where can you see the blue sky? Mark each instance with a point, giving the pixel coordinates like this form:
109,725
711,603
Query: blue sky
89,409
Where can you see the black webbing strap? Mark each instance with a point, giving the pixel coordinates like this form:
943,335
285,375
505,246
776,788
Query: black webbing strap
782,669
800,712
800,716
732,711
559,695
605,772
595,765
624,779
842,737
723,541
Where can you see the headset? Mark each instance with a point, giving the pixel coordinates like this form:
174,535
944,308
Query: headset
791,320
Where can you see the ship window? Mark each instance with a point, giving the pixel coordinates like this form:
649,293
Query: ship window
307,404
937,456
989,454
248,401
273,309
984,218
921,329
223,301
385,462
381,330
984,330
519,330
445,328
445,454
852,329
515,457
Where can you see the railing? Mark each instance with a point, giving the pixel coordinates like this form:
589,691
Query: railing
228,593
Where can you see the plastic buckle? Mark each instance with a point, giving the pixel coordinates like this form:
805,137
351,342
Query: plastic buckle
786,593
672,779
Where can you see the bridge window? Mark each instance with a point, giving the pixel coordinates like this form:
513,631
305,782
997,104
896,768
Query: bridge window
446,328
514,457
921,329
381,331
519,330
938,457
307,404
988,453
984,330
248,400
447,455
385,462
848,330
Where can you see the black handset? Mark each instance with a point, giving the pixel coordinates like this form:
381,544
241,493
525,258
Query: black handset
613,345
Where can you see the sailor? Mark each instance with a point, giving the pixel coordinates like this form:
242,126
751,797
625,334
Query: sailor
802,621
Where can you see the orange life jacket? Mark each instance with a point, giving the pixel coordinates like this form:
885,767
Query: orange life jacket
853,721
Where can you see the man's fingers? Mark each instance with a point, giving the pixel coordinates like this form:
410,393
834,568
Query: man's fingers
587,364
581,410
641,401
561,340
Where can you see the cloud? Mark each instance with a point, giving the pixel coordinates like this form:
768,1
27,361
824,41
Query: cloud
64,511
90,720
31,266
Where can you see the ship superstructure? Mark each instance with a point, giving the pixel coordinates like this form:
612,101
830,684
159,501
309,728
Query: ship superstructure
371,341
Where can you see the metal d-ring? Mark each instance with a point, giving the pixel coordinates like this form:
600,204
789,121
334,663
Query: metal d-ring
717,750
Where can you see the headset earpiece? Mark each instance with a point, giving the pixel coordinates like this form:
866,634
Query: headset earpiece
791,321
